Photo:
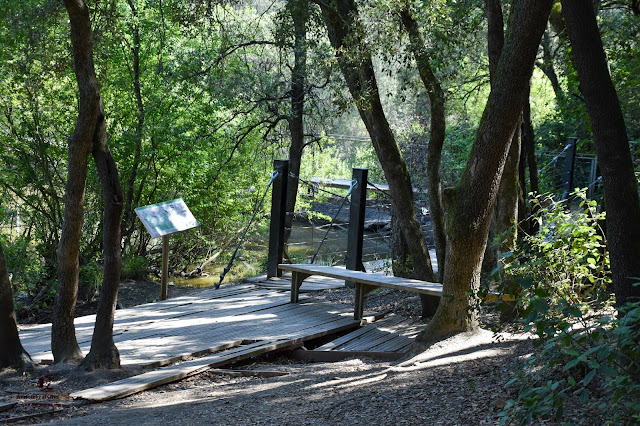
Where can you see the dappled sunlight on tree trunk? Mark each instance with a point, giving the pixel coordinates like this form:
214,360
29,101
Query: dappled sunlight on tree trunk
469,205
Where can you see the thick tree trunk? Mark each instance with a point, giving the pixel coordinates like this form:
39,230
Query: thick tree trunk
103,353
12,353
299,11
354,58
469,205
495,35
437,134
495,43
63,339
612,146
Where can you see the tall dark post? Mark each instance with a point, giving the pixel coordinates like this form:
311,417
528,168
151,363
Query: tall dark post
567,176
278,212
353,259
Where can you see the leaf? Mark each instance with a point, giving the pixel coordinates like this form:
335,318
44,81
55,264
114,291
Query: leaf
571,381
588,378
608,371
526,282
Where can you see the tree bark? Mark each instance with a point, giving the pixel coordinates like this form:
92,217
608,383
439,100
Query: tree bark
508,196
63,339
345,33
12,353
612,146
299,12
437,134
547,66
469,205
103,353
530,161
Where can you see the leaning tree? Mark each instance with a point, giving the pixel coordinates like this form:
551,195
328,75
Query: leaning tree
89,136
469,205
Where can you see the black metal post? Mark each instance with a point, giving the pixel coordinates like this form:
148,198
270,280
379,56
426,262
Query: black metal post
357,209
569,162
278,212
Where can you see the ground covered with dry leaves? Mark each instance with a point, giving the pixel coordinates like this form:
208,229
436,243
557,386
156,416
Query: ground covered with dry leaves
458,381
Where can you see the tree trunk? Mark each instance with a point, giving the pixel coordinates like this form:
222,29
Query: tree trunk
508,196
401,264
299,11
547,66
103,353
345,33
437,134
128,218
469,205
612,147
12,353
63,338
495,43
529,160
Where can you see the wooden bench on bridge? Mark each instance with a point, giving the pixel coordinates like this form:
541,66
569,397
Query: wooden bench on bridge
364,282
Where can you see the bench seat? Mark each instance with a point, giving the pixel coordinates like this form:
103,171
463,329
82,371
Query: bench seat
364,282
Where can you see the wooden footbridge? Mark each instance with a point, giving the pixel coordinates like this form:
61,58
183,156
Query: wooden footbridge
179,337
183,336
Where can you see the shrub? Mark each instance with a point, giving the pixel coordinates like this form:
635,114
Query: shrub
90,280
26,266
587,353
135,268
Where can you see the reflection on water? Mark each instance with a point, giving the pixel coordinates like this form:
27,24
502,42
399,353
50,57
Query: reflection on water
303,243
305,240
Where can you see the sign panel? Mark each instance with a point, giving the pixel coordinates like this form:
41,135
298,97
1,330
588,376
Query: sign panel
166,218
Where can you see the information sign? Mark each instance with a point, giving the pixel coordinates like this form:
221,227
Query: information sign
166,218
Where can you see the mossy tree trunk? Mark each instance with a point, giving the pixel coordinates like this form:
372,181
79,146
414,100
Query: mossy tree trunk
469,205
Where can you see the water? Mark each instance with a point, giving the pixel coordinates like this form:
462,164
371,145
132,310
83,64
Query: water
303,243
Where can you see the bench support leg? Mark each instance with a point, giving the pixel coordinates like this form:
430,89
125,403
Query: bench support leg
296,282
359,302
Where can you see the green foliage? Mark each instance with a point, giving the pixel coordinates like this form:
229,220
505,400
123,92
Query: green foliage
26,265
586,354
135,267
90,280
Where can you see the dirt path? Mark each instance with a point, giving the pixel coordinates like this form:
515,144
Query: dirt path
456,381
459,381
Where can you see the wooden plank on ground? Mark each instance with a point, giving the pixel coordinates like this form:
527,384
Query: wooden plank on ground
131,385
4,406
335,356
358,333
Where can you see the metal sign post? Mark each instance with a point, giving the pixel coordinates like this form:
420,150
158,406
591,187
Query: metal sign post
162,220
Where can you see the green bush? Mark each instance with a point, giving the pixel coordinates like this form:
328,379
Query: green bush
135,268
27,267
587,353
90,280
